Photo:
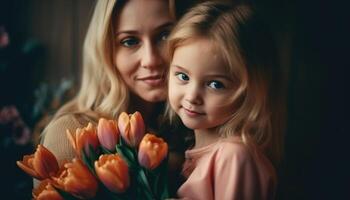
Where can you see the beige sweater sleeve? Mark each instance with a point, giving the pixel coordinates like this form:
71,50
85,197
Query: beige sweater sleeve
55,139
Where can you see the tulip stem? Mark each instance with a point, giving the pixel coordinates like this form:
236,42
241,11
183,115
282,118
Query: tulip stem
144,180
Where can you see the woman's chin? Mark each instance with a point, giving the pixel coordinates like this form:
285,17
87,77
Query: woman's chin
154,96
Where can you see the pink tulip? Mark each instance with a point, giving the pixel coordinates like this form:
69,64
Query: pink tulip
108,133
132,128
113,172
152,151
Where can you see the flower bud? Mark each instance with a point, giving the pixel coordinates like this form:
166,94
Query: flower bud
132,128
108,133
45,191
113,172
83,139
40,165
76,179
152,151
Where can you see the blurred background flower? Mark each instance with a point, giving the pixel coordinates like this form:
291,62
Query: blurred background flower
4,38
27,104
15,140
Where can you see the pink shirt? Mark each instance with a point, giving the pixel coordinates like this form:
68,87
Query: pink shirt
228,170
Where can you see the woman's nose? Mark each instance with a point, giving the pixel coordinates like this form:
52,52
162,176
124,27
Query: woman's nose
151,56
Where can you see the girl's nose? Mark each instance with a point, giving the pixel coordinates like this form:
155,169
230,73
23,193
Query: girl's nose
151,56
193,95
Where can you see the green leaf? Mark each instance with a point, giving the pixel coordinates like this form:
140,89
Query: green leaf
129,152
126,157
106,151
93,154
144,182
122,141
161,182
87,162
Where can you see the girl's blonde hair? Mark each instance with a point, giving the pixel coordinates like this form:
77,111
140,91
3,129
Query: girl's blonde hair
247,47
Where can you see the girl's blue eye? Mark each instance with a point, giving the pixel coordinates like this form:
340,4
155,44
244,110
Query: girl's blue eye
216,85
182,76
130,42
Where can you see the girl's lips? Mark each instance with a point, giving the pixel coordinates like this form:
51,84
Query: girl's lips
192,113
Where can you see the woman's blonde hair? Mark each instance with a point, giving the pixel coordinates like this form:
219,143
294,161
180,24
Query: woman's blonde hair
102,91
246,45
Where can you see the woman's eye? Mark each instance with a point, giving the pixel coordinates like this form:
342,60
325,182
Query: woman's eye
164,35
130,42
181,76
216,85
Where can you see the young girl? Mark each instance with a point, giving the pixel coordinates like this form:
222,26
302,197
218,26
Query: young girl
223,85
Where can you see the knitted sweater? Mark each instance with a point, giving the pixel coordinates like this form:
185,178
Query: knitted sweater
54,136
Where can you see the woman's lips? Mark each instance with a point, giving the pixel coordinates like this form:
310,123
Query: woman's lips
153,80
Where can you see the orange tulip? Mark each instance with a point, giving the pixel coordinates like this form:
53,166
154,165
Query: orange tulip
40,165
113,172
76,179
45,191
152,151
83,139
108,133
132,128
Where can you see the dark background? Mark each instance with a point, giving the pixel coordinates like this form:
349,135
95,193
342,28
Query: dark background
312,40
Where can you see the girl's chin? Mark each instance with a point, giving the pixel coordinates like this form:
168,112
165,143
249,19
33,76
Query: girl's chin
191,125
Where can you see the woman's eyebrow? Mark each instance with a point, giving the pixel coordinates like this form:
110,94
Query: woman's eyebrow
127,32
164,26
157,29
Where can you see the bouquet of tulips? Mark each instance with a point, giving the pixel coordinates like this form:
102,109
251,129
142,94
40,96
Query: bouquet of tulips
115,160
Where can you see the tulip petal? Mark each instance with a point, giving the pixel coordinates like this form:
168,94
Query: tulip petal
137,128
152,151
40,165
77,180
113,172
83,139
27,166
46,191
44,162
108,133
124,125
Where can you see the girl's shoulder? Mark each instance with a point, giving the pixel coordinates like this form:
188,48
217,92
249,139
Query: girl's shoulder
232,148
231,144
233,151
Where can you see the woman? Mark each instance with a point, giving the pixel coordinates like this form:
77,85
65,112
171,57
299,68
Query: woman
123,70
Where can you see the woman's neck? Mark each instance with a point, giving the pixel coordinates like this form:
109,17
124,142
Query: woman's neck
149,111
205,137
